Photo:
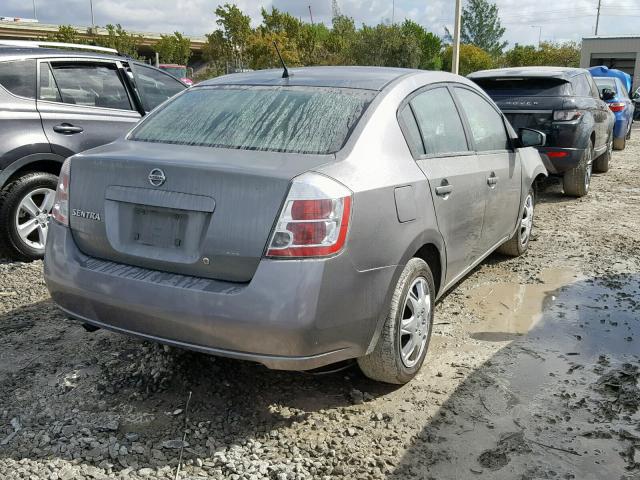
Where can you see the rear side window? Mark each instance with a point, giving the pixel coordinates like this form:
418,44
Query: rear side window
526,87
91,85
487,126
155,87
282,119
581,87
439,122
19,77
411,131
606,83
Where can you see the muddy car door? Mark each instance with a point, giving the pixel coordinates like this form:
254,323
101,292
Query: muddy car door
455,175
499,162
83,104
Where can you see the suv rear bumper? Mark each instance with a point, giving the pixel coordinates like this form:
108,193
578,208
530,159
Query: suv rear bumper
293,315
558,165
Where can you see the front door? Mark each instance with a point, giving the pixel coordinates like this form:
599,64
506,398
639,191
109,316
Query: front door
499,163
455,175
83,104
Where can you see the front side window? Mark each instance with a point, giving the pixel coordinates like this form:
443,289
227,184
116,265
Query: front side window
19,77
155,87
439,122
90,85
282,119
487,126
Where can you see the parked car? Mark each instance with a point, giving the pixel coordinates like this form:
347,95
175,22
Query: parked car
54,103
181,72
294,221
635,96
565,104
615,94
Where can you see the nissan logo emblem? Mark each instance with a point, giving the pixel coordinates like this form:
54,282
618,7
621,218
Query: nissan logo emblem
157,177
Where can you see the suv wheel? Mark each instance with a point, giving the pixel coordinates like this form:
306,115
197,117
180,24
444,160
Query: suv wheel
518,244
405,336
601,164
576,182
25,209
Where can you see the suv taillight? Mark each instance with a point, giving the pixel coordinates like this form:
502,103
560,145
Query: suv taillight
60,211
566,115
314,219
617,106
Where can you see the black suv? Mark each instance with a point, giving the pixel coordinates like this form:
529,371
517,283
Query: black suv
565,104
55,103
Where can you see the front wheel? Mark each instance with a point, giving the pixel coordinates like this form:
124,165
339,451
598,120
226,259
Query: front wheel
519,243
576,182
25,208
405,336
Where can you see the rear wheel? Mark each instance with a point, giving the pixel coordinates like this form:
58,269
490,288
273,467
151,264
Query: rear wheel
25,208
576,182
619,143
405,336
518,244
601,164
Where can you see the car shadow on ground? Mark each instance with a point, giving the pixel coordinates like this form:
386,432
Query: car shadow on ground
561,401
59,381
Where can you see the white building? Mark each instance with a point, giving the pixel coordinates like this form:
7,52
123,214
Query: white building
621,52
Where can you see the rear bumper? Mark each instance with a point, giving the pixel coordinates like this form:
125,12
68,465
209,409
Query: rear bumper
293,315
570,158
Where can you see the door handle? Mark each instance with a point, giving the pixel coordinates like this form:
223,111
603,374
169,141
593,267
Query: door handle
67,129
444,189
492,180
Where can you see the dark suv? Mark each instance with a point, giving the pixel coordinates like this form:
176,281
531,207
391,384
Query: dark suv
565,104
55,103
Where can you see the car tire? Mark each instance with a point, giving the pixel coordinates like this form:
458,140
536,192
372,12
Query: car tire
629,132
393,360
576,182
619,143
601,164
40,188
519,243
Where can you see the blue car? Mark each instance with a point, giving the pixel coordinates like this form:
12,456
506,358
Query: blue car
616,95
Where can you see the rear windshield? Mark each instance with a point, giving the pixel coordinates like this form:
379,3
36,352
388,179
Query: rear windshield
281,119
603,82
528,87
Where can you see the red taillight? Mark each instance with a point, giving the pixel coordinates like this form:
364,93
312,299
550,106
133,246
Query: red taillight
314,220
557,154
617,106
60,211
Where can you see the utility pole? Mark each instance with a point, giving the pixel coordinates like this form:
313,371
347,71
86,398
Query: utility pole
393,12
598,16
35,11
455,57
311,14
93,24
539,27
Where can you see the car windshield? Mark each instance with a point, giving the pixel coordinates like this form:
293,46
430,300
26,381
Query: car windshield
603,82
282,119
526,87
178,72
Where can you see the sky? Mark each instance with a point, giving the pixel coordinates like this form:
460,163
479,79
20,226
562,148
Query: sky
525,20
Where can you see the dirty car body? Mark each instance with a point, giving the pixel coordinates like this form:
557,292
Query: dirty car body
197,243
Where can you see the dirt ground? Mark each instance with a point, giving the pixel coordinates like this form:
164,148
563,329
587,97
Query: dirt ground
533,373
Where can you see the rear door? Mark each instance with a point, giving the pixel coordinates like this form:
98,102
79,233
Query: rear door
154,86
455,175
499,162
83,103
588,98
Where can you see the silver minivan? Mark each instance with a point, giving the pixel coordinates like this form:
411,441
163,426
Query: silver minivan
294,221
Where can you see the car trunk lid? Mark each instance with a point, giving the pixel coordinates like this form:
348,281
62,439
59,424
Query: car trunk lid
193,210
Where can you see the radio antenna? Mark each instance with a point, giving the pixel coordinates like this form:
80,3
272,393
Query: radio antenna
285,73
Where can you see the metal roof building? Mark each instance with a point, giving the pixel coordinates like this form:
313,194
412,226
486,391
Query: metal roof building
621,52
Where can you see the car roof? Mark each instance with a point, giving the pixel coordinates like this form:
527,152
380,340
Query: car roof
17,53
366,78
561,73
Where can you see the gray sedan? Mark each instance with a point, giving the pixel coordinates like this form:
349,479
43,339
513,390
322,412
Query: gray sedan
294,221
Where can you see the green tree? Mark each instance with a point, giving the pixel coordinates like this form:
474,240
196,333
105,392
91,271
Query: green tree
430,45
261,52
472,59
118,38
173,49
521,56
65,34
339,43
552,54
481,26
236,29
385,45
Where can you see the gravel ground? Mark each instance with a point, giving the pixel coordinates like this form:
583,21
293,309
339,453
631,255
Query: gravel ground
532,374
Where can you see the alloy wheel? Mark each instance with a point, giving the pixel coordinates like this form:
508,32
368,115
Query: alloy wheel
32,217
415,322
588,169
526,221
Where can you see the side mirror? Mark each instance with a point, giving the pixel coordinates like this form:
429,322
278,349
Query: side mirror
532,138
608,94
